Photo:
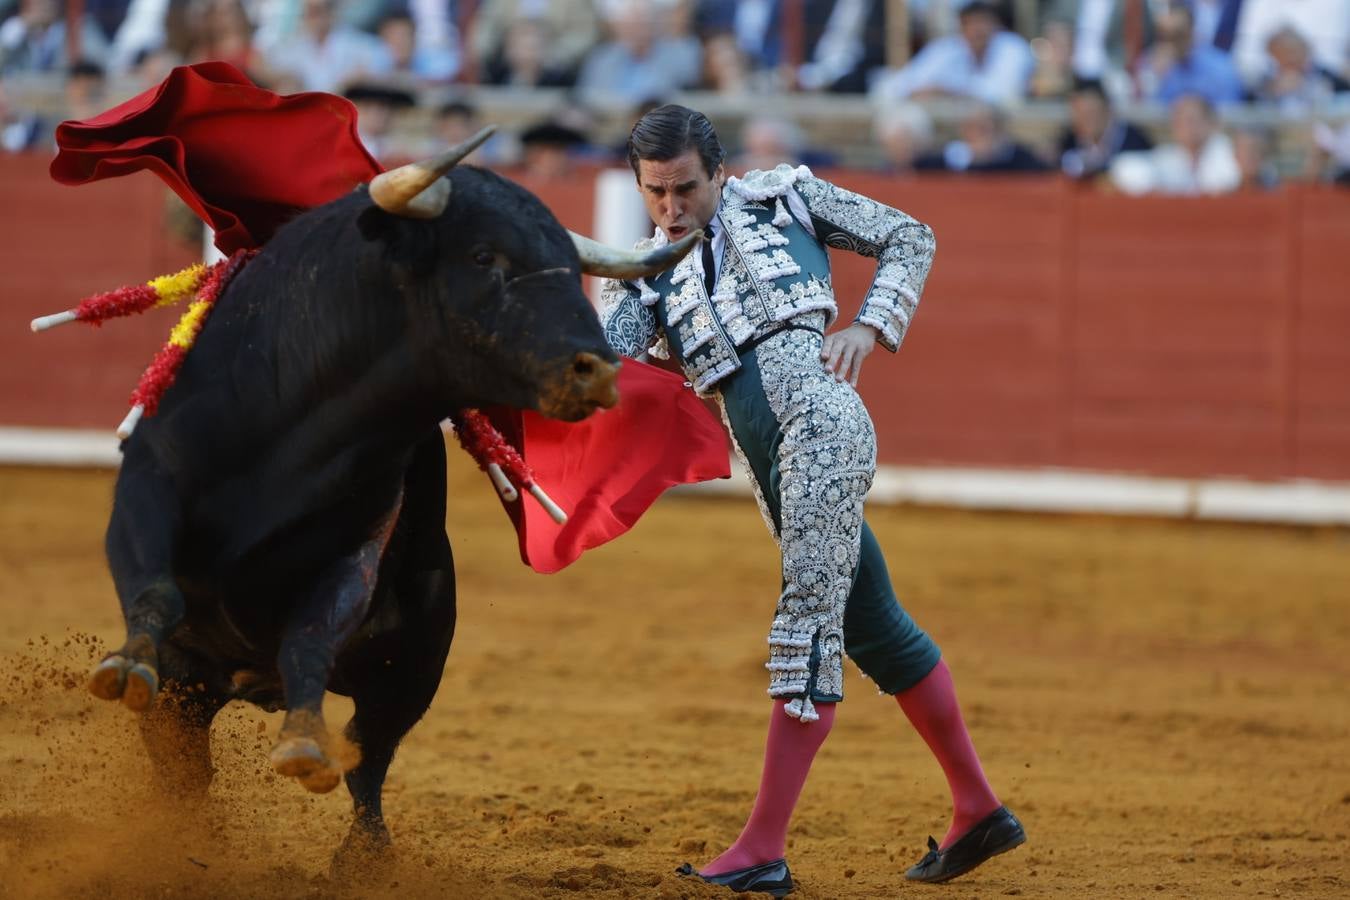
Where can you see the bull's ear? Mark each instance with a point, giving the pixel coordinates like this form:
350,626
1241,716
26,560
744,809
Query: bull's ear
406,242
378,226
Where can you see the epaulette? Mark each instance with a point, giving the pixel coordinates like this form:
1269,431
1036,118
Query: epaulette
760,184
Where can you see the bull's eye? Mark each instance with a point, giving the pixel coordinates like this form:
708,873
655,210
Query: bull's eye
484,257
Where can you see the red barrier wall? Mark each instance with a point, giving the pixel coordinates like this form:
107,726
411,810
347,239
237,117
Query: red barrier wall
1059,327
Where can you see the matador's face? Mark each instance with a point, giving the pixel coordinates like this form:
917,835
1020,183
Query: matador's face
679,194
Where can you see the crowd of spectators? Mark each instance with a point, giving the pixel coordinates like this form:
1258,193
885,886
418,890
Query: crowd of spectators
1199,60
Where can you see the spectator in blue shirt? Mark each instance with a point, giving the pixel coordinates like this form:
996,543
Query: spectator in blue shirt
639,62
1175,66
982,61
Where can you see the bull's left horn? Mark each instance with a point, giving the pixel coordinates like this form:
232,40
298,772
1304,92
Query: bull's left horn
598,259
417,190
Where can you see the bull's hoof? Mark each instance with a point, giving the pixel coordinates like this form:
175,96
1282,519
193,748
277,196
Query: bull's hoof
303,759
364,856
109,679
322,781
142,684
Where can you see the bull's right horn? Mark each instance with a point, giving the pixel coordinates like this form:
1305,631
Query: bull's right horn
417,190
610,262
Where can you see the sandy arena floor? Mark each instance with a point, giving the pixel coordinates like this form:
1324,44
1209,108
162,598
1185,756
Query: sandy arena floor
1166,705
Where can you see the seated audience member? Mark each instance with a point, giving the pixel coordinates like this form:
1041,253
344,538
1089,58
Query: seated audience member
845,45
377,107
568,29
1324,24
144,27
724,66
549,150
325,55
1095,135
1216,22
1329,155
86,90
1254,149
221,30
20,130
766,142
1297,84
983,61
35,39
108,15
1175,65
754,26
1052,78
1103,36
984,146
1199,160
639,62
525,60
151,67
458,120
904,133
414,58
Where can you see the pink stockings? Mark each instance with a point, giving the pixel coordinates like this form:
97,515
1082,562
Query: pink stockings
931,708
788,753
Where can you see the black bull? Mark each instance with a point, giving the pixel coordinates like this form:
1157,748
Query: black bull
278,526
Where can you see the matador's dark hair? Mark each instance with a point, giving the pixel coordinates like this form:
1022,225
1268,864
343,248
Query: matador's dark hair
667,131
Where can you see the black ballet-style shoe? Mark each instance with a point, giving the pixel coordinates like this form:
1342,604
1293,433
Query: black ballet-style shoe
996,833
766,878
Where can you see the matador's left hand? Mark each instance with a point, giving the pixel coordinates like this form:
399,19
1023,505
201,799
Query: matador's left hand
844,351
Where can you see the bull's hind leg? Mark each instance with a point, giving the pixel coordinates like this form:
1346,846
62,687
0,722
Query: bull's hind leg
392,674
309,645
177,731
140,542
390,699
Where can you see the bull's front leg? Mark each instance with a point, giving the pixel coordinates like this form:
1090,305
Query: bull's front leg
141,542
309,646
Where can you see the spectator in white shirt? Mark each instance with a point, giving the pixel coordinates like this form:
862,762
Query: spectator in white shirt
1329,155
1200,160
1296,84
326,55
983,61
35,39
1325,24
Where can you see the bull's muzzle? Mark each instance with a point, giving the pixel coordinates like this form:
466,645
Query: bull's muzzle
593,381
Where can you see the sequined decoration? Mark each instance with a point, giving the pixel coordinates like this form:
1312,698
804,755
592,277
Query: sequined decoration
826,462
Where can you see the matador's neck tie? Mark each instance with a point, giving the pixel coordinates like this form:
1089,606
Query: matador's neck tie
709,266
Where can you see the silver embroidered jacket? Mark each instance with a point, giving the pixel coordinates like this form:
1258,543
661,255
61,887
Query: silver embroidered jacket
774,268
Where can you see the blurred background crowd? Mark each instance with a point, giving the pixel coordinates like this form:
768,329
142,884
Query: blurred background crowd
1138,96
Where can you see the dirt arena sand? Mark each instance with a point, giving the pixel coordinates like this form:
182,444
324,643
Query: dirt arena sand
1166,705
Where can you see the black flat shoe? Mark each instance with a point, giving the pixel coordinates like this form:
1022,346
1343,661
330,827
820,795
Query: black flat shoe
997,833
766,878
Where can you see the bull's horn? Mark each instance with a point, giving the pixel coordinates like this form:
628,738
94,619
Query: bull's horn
417,190
598,259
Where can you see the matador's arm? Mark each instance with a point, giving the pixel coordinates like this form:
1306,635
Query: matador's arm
902,245
630,325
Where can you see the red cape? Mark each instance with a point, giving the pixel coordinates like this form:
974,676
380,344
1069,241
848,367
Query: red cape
607,470
246,160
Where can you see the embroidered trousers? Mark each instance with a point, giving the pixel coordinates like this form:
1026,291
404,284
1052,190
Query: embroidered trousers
808,446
